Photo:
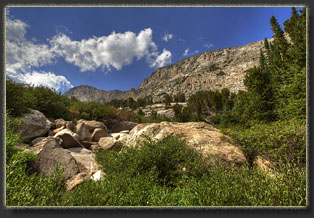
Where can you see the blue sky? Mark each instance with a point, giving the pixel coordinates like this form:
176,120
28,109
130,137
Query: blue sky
118,47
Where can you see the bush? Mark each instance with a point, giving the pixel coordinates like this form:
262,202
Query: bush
12,138
213,67
24,189
152,175
281,141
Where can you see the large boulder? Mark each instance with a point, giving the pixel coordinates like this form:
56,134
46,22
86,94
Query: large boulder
51,154
83,132
118,126
46,144
203,137
98,133
85,160
69,139
107,143
92,124
34,125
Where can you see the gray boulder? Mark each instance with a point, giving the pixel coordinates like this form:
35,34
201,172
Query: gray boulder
69,139
34,125
51,154
46,144
98,133
92,124
107,143
83,132
118,126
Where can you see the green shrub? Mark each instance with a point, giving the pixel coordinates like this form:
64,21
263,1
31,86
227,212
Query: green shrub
221,73
12,138
281,141
213,67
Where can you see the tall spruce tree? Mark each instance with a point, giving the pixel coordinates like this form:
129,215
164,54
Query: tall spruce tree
276,89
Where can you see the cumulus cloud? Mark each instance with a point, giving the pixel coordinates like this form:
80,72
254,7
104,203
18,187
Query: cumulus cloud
47,79
115,50
22,55
160,60
166,37
187,53
106,52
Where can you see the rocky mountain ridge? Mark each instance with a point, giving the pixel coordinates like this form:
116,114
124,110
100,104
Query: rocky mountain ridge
211,70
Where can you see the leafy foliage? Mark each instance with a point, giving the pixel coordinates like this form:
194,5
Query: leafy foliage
153,175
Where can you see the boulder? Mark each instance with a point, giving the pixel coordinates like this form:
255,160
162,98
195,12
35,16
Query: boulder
34,125
66,124
50,133
69,139
107,143
33,142
83,132
203,137
118,126
46,144
49,159
98,133
85,159
92,124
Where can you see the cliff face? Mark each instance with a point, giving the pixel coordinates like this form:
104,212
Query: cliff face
212,70
88,93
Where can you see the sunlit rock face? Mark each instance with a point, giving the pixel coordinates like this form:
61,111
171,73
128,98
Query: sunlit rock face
211,70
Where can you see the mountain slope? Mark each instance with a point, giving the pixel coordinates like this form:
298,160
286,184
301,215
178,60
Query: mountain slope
212,70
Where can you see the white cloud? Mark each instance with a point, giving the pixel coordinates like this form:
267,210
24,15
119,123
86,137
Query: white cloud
22,55
160,60
115,50
48,79
186,52
166,37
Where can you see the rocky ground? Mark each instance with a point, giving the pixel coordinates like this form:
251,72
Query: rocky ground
73,146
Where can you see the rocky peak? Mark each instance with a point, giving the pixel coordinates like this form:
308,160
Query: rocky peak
211,70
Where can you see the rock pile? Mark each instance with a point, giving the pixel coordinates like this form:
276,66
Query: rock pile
71,146
60,142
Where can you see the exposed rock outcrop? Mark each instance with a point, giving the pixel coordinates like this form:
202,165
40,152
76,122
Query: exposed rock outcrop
199,135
